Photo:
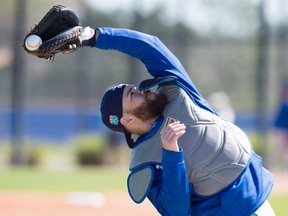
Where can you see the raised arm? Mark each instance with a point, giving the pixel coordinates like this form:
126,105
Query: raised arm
157,58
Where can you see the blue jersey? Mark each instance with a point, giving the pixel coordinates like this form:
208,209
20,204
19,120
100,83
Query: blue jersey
170,190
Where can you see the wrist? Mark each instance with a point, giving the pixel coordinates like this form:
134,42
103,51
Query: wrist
172,157
174,148
88,37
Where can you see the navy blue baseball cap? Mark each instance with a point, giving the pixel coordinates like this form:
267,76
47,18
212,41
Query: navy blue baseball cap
112,111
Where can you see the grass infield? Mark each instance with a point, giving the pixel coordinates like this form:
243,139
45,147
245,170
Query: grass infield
88,179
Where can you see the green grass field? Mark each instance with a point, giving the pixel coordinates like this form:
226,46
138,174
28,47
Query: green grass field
279,204
88,179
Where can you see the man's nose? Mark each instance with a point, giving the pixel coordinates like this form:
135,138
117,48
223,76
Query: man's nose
138,91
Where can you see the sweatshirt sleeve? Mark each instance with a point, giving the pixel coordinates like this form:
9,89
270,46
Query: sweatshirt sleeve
170,192
157,58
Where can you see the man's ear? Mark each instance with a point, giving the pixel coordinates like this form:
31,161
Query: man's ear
126,120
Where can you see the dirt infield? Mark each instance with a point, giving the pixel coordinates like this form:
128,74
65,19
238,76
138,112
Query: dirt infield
76,204
38,204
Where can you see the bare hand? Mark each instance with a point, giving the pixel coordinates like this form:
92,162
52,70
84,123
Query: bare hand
171,134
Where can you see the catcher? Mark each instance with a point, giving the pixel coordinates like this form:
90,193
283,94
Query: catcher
185,158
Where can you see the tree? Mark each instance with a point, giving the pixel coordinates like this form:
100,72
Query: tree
262,81
18,80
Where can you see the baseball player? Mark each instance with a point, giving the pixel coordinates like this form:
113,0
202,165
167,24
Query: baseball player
185,158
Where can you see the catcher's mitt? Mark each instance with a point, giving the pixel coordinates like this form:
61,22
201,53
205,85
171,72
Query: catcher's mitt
57,29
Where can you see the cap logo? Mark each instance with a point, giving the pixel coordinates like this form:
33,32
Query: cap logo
113,120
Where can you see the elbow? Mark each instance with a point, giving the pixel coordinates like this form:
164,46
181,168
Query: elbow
154,40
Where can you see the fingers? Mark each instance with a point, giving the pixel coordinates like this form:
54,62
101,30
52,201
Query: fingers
174,130
171,134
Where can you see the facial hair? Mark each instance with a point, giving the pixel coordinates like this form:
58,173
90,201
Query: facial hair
152,107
